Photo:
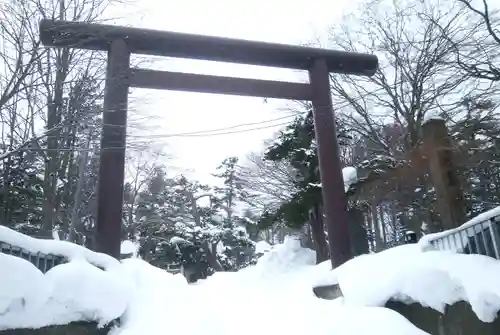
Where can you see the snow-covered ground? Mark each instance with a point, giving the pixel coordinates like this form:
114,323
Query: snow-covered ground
432,278
274,296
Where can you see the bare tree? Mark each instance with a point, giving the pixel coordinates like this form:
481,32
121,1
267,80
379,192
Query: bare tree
17,66
18,56
477,51
416,73
78,198
139,167
60,69
270,182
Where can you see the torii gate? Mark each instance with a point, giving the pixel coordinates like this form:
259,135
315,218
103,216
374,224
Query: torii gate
121,42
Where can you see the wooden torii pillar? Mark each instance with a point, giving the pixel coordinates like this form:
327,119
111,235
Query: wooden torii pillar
121,42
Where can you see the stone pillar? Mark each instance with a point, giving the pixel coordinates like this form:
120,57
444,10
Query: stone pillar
449,194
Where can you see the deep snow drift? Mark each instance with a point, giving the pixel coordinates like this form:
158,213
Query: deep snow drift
68,292
432,278
274,296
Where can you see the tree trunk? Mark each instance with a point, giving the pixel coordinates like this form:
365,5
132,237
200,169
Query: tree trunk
6,208
357,232
211,252
376,227
74,225
54,111
369,226
318,233
383,226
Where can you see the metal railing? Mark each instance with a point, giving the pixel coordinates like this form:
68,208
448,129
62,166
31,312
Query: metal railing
481,238
44,262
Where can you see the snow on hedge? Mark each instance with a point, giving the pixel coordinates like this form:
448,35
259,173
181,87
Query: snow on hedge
66,249
349,174
432,278
75,291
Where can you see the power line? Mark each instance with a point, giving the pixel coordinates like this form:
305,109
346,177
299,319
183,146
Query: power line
201,134
210,132
239,131
192,134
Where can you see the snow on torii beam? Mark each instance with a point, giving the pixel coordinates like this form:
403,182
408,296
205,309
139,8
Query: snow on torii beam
121,42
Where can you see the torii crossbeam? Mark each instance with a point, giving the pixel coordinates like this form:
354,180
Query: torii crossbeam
121,42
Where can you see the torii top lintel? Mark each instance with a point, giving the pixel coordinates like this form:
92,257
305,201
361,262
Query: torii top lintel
172,44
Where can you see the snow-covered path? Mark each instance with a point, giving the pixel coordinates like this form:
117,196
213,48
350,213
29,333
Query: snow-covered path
273,297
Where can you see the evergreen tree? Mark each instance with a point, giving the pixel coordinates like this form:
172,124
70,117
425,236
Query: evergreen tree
297,145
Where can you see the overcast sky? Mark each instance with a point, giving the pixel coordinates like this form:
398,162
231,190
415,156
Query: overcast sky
290,22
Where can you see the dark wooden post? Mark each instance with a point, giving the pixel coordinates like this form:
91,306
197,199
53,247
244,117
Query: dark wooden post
113,141
334,197
437,147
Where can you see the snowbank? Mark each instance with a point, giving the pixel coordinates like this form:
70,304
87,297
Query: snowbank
76,291
150,300
276,291
66,249
262,247
128,247
157,299
433,279
20,284
286,257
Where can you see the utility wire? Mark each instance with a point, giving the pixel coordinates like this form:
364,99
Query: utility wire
227,132
213,132
205,133
201,133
